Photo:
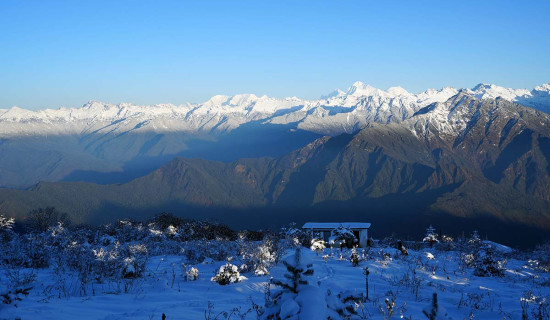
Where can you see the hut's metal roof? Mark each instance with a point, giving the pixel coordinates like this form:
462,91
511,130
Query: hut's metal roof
334,225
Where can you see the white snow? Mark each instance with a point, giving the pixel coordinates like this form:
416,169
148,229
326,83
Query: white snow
460,293
338,112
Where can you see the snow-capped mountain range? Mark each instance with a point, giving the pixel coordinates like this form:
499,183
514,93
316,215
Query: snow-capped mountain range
93,142
339,112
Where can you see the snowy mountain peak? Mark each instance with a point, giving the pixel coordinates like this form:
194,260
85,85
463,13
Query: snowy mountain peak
483,86
543,88
361,89
339,112
335,93
398,91
491,91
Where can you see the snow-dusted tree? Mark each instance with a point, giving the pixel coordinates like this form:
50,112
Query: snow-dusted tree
435,311
431,236
257,257
284,303
41,219
486,264
295,236
299,298
263,257
317,245
343,237
228,273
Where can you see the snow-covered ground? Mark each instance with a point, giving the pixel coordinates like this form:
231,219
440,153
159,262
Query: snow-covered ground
409,280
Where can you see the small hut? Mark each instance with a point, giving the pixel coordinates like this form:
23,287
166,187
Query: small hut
323,230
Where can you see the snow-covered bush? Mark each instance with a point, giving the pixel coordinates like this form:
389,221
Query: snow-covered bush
431,236
343,237
192,274
317,245
354,258
120,261
8,296
264,258
227,274
402,248
535,306
257,256
447,243
41,219
6,228
36,251
541,257
197,251
474,239
295,236
486,264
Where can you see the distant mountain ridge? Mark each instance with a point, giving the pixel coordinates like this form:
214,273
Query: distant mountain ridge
466,158
108,143
361,104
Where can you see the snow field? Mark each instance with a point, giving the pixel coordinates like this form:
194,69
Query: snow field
409,281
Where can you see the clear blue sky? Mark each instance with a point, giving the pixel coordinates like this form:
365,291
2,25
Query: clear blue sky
64,53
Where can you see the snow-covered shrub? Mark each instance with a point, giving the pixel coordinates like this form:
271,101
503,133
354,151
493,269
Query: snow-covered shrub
474,239
135,258
541,257
447,243
164,220
402,248
126,230
535,306
295,236
192,274
343,237
120,261
6,228
172,232
36,251
202,230
41,219
354,258
227,274
317,245
263,258
431,236
257,256
342,305
486,264
11,296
